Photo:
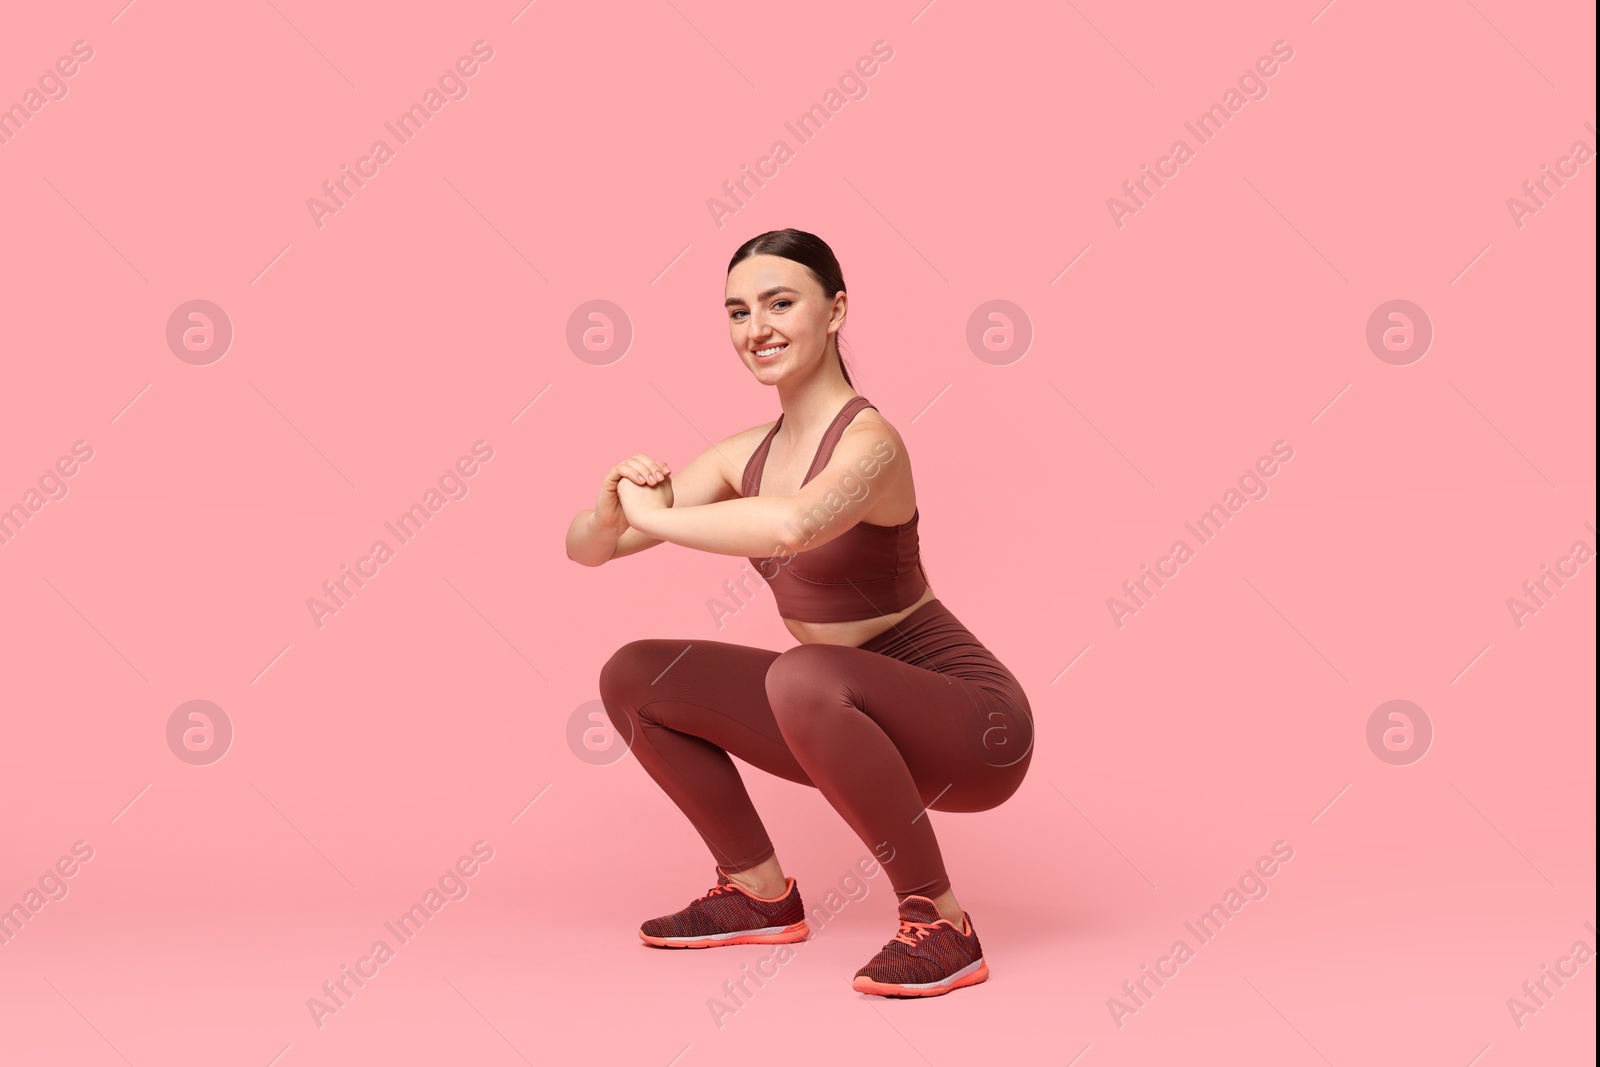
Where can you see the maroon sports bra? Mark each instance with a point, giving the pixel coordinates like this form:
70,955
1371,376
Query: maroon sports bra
867,571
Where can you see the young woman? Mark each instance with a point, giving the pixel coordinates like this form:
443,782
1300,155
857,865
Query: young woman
889,706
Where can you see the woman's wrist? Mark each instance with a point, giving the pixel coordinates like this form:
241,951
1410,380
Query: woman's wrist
640,505
643,520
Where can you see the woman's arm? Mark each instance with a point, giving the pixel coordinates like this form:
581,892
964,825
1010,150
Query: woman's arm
592,542
747,526
860,473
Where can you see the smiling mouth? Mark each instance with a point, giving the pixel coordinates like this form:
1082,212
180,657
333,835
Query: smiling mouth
769,353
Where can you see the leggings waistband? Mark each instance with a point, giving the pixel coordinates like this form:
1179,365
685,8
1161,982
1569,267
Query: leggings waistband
934,638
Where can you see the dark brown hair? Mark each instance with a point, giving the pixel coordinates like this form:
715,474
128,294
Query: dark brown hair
812,253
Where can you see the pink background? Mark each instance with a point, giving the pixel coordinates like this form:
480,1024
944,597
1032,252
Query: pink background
368,354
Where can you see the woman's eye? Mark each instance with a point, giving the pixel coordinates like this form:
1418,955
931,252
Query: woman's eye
775,303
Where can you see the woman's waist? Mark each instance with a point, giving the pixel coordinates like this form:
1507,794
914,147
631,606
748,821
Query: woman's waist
932,637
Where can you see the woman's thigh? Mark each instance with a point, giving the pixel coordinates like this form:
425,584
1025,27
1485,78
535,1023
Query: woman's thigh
967,746
713,690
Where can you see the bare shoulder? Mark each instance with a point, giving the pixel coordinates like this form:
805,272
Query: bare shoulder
732,454
739,447
872,449
869,430
746,440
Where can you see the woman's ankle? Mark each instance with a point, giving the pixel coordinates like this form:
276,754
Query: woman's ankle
764,892
765,880
950,908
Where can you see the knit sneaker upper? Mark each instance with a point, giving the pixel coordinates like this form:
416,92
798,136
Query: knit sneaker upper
726,909
927,948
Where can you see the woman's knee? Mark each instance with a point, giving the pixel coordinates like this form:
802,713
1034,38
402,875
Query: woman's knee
629,670
803,685
802,675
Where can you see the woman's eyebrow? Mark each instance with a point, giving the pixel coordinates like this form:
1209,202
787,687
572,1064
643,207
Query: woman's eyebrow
732,300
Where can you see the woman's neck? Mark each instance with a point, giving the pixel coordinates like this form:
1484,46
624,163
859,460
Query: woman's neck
810,405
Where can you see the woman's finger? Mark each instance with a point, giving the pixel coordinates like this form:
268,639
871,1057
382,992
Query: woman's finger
643,468
654,467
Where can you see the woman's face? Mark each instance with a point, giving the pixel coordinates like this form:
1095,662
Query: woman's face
778,317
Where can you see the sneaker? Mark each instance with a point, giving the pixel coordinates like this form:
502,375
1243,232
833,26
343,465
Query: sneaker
731,915
928,957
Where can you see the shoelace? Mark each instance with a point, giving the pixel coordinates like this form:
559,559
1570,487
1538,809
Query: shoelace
721,887
912,932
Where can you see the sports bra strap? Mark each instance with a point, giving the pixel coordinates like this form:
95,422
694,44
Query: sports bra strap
757,463
830,439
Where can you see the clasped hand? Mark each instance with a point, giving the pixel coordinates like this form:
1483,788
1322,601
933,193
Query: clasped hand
639,500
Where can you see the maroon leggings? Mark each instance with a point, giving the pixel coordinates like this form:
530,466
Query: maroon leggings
921,716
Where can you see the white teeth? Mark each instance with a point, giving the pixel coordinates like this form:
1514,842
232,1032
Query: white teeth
770,351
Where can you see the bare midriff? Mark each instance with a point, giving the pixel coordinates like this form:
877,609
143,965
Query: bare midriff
853,633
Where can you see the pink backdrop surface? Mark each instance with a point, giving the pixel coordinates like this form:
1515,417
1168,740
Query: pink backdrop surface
233,456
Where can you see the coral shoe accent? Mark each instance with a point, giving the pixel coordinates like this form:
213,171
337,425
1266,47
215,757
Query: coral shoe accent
928,957
730,915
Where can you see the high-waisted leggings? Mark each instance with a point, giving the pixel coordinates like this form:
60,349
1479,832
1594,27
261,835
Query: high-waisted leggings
921,716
